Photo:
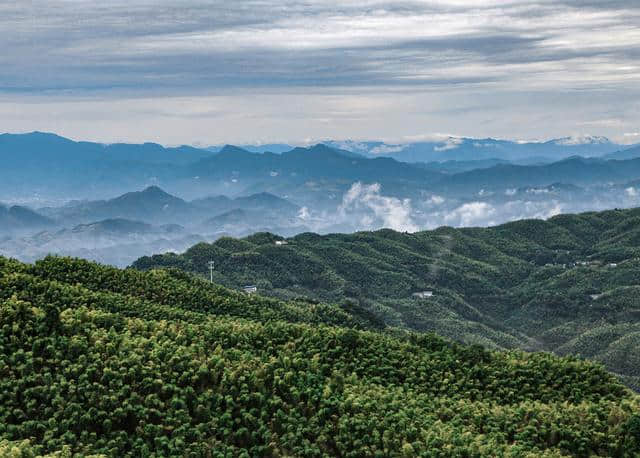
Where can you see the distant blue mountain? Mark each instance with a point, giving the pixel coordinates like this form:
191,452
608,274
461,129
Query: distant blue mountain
471,149
48,164
276,148
629,153
301,164
575,170
17,219
155,206
41,146
121,226
150,205
262,201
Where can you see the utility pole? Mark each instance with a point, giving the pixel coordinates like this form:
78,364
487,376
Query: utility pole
212,265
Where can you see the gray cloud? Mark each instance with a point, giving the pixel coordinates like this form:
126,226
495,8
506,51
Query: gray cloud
122,50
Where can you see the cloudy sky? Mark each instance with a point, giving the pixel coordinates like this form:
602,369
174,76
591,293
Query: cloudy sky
210,72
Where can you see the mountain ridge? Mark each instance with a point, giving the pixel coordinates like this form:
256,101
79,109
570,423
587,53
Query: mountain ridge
525,284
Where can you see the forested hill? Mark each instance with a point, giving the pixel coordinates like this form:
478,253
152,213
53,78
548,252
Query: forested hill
569,284
96,360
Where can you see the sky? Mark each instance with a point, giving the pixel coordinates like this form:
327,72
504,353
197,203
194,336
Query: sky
260,71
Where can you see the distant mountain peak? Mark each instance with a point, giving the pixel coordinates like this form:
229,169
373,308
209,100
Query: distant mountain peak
321,147
264,194
232,149
150,194
324,149
114,225
582,140
578,158
153,189
37,136
38,133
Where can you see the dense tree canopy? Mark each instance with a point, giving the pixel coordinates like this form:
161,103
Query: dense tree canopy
96,360
569,284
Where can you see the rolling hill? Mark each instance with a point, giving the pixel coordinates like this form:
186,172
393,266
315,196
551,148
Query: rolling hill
112,241
150,205
629,153
263,201
154,205
574,170
19,219
96,360
560,285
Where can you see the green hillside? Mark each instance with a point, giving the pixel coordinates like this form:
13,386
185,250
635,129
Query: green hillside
570,284
100,361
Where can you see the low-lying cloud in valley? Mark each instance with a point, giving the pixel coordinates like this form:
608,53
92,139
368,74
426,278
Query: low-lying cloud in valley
471,214
365,204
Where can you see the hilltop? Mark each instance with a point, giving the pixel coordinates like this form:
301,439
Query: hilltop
17,219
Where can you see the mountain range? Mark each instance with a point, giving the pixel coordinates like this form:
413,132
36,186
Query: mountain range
117,231
44,166
153,205
450,148
17,218
567,285
332,351
467,149
114,241
574,170
236,192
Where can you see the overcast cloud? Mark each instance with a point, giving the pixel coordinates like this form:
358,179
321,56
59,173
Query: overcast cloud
267,70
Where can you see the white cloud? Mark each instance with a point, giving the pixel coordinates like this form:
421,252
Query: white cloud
486,214
450,143
484,145
366,204
435,200
537,191
516,209
304,214
347,145
423,137
581,140
631,191
386,149
471,214
369,67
